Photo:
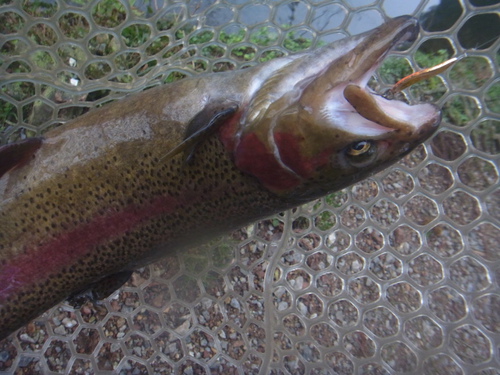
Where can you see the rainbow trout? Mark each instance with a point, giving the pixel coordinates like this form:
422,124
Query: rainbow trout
170,167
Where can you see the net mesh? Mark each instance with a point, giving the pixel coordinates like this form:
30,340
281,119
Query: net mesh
398,274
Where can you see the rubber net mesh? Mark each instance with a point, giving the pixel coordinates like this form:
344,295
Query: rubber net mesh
398,274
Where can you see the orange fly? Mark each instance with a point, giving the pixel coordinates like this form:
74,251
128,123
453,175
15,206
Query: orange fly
420,76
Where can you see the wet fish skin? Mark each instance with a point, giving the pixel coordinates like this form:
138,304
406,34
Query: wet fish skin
105,194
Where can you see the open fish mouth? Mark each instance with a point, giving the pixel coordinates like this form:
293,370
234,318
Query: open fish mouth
341,96
376,114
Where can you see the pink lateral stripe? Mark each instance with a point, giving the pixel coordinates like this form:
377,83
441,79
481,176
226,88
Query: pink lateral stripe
67,248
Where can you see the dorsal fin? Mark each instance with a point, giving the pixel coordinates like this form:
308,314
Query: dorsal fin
203,124
15,155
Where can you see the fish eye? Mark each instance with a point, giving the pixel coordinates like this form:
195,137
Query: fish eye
359,148
361,154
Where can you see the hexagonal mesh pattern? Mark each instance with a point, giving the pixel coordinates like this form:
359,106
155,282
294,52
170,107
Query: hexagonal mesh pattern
398,274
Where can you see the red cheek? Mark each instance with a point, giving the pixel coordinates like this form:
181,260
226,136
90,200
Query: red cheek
291,155
253,157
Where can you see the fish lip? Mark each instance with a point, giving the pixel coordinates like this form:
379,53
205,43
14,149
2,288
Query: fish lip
405,29
399,30
368,53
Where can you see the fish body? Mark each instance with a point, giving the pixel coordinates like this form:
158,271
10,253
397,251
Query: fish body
173,166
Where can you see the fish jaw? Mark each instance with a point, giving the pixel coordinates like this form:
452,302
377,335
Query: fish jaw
303,143
339,98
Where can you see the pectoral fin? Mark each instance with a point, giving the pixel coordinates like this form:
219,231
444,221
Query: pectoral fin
15,155
205,123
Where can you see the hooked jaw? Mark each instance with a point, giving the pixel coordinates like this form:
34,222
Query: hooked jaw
342,100
379,115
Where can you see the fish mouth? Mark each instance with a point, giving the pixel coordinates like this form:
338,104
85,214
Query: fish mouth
351,101
375,114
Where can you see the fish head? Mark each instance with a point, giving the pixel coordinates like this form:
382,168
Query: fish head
320,129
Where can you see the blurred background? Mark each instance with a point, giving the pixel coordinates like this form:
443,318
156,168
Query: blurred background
398,274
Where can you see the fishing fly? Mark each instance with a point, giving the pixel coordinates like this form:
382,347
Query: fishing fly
420,75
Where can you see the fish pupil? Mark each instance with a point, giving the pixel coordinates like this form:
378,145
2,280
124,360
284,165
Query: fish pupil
359,148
